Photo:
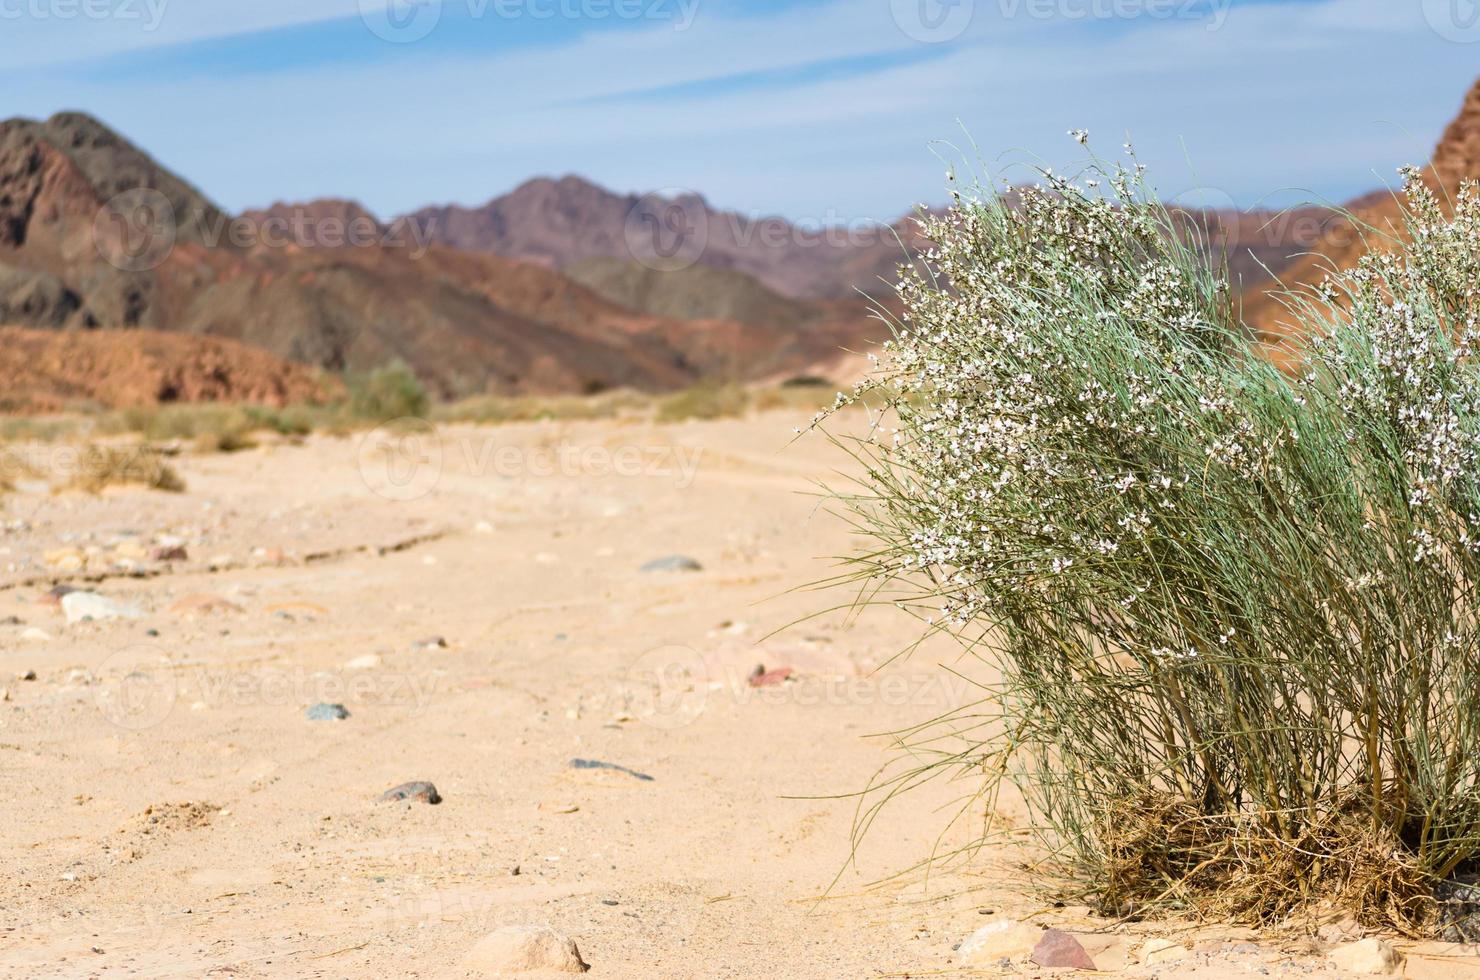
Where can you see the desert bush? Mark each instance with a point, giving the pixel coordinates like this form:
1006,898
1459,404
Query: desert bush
97,467
387,393
704,401
1225,617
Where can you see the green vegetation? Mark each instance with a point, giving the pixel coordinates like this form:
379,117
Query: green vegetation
1226,619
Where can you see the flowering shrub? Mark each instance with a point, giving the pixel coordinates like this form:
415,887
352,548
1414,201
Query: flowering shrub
1227,615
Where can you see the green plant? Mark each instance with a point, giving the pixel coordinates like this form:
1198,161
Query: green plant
388,393
1226,617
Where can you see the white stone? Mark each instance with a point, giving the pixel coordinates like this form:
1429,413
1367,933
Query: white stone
368,662
524,949
1000,939
1157,950
35,634
1369,956
80,606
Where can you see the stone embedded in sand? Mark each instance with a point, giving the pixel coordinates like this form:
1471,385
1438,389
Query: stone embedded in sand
430,643
1056,949
1000,939
524,949
1369,956
65,559
673,563
419,791
368,662
328,712
170,553
1157,950
82,606
35,634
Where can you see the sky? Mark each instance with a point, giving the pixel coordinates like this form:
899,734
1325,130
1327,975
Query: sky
827,111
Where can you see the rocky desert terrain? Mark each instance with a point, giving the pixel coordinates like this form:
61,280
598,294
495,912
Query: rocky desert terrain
594,639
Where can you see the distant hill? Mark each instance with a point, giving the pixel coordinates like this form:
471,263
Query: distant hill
565,221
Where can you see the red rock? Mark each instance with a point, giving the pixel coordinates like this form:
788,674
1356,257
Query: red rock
771,678
1059,949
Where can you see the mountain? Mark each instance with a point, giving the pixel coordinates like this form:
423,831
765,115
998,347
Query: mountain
560,223
1456,158
96,234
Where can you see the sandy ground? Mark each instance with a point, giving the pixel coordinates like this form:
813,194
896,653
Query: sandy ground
170,811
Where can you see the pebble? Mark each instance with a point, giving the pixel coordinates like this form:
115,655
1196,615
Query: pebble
368,662
65,559
430,643
174,552
1369,956
673,563
524,949
328,712
29,675
594,764
761,677
424,792
1000,939
1057,949
82,606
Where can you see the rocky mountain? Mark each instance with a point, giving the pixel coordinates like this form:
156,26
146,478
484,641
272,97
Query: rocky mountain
563,222
93,233
1455,158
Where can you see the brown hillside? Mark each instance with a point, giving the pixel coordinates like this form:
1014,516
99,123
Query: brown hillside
47,370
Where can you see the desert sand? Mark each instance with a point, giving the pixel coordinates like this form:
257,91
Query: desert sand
475,599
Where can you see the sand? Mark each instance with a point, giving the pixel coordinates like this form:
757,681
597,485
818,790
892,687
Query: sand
171,811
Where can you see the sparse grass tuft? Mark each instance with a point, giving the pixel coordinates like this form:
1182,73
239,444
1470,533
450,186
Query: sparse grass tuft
387,393
1227,619
99,467
704,401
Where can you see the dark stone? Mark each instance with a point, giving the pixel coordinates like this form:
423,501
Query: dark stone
594,764
327,712
424,792
673,563
176,553
1059,949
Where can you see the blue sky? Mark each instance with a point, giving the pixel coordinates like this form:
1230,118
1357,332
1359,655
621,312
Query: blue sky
826,110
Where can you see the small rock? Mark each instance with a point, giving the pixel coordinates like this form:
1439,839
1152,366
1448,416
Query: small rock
1059,949
65,559
1000,939
560,807
525,949
12,621
430,643
328,712
54,596
673,563
36,635
203,604
174,552
82,606
1157,950
594,764
483,527
761,677
29,675
1369,956
368,662
424,792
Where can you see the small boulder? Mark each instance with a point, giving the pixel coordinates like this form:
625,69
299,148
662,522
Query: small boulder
1059,950
524,949
673,563
328,712
1369,956
998,940
81,606
419,791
